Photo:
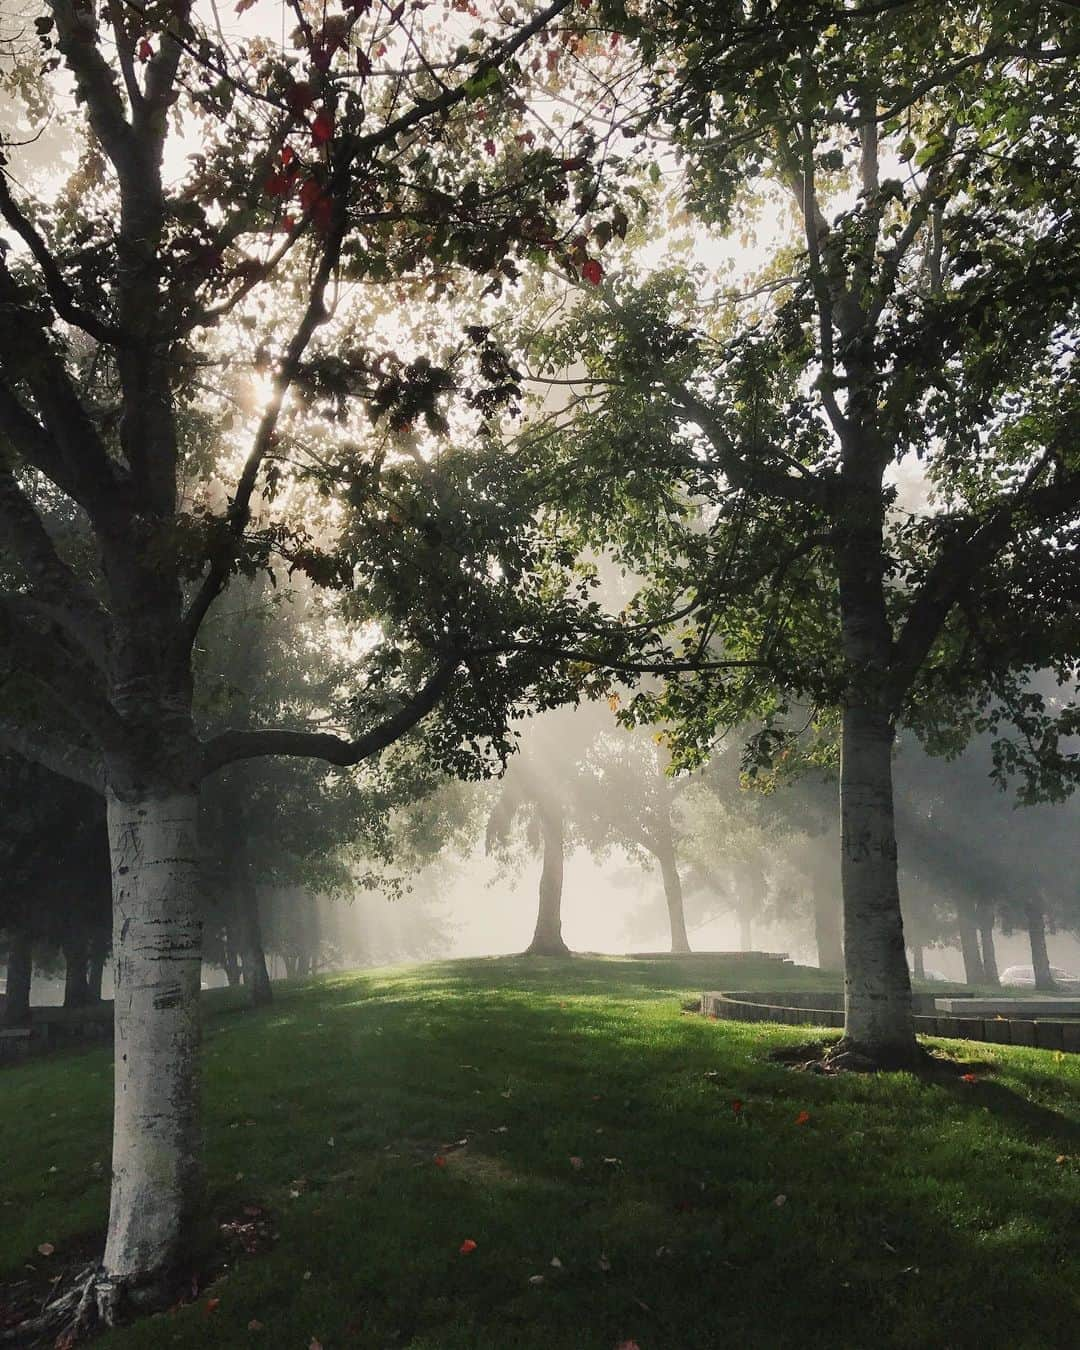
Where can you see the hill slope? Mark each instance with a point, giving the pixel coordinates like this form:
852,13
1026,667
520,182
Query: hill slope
611,1188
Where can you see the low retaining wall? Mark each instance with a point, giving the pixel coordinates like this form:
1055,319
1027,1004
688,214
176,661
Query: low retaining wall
51,1028
827,1010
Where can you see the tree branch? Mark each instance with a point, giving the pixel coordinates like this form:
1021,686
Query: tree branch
81,766
231,746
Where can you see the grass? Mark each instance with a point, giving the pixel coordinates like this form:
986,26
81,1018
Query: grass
915,1213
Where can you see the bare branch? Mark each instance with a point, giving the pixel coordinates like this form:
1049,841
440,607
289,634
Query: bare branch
81,766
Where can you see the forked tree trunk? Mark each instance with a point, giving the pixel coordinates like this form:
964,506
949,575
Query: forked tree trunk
1040,958
985,912
230,957
673,894
76,960
547,938
157,942
95,969
969,943
877,988
20,976
256,976
827,928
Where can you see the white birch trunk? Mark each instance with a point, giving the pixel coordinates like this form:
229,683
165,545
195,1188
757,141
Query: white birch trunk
157,939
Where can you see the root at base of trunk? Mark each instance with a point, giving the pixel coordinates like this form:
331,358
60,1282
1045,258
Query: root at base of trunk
92,1302
547,949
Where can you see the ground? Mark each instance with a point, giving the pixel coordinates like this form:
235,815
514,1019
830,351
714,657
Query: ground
612,1188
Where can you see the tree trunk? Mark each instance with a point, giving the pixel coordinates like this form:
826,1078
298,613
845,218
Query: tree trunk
76,960
256,976
877,988
230,957
969,943
918,960
157,946
547,939
827,929
985,913
1040,958
20,976
673,894
95,970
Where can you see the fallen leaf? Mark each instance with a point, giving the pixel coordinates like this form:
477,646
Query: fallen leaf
968,1078
467,1246
314,1344
604,1263
440,1161
556,1264
1061,1158
802,1117
780,1201
507,1094
501,1129
307,1275
256,1325
663,1251
628,1345
536,1279
613,1162
577,1163
45,1249
213,1304
736,1106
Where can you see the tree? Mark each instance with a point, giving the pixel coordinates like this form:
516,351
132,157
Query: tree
927,312
116,293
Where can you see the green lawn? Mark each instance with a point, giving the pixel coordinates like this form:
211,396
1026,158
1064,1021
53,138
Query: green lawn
901,1213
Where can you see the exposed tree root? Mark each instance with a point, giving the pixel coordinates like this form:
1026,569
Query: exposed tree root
67,1319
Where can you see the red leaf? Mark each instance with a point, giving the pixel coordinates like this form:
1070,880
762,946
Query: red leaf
255,1324
288,224
489,146
440,1161
592,272
968,1078
322,128
577,162
467,1246
144,51
736,1106
802,1117
288,154
212,1305
628,1345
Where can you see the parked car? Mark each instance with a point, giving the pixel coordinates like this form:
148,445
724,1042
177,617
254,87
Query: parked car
1025,975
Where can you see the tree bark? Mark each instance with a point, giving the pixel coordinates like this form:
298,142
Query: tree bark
969,943
918,960
673,894
985,913
547,938
256,976
157,944
877,988
76,961
20,976
1040,958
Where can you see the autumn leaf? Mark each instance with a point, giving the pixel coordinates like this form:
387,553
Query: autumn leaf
144,51
577,1163
212,1305
592,272
255,1324
802,1117
244,5
627,1345
299,97
314,1344
467,1246
737,1106
780,1201
45,1249
322,128
440,1161
968,1078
